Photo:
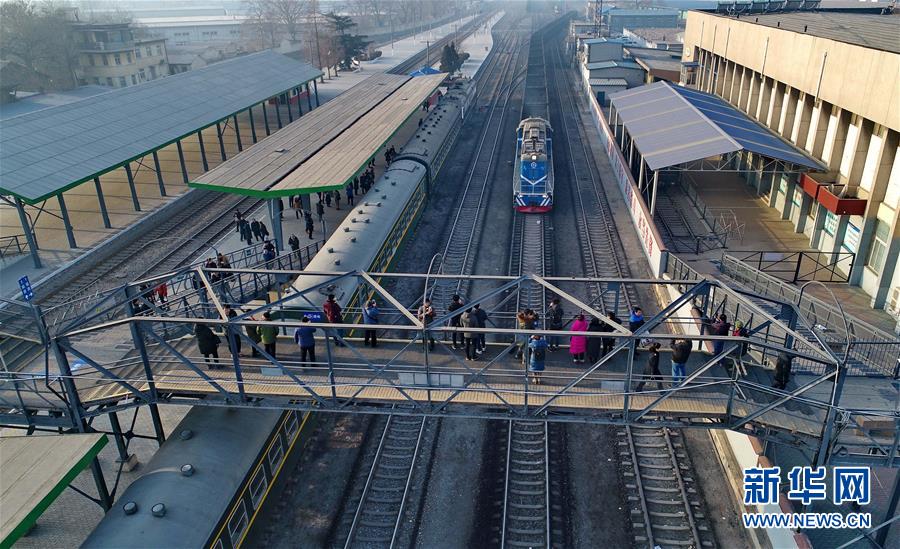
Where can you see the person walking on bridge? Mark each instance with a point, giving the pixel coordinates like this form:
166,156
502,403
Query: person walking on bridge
370,318
304,338
208,344
537,348
268,333
681,352
333,313
578,344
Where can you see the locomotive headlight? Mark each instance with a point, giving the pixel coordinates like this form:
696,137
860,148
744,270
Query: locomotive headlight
534,157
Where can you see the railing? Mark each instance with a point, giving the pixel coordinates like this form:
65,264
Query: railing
871,346
12,245
718,235
800,266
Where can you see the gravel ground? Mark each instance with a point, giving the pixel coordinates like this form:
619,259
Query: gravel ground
723,512
315,489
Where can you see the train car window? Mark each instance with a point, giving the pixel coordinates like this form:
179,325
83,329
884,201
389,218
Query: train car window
258,485
237,523
276,452
219,544
291,425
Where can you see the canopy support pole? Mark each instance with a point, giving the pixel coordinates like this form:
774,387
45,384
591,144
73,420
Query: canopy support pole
103,212
316,88
237,133
159,176
653,200
184,173
266,118
29,233
275,222
308,97
134,196
252,124
221,143
278,113
67,223
287,102
202,151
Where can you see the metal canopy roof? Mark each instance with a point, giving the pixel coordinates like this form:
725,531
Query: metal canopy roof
46,152
337,146
673,125
34,470
259,167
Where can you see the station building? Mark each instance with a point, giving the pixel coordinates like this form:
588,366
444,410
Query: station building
828,82
111,55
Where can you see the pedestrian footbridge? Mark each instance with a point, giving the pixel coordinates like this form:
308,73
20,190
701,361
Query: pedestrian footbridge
824,406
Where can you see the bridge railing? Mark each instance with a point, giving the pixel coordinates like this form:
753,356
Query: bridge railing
877,349
800,265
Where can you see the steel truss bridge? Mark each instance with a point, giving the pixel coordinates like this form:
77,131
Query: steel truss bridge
130,351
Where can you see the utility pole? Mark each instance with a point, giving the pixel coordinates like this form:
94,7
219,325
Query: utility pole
315,16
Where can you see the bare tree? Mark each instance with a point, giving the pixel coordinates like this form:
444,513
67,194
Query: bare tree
261,21
289,15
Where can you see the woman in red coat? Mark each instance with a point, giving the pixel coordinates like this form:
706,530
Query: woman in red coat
578,344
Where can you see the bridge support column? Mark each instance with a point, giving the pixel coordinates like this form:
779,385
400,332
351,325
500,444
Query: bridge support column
128,461
137,337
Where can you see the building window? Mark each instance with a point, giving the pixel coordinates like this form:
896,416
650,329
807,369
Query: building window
105,60
878,248
142,74
109,81
831,222
118,59
91,60
122,82
152,73
149,52
133,80
158,49
96,81
128,56
137,53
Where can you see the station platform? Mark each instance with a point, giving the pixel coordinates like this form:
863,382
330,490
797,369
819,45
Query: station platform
753,226
82,202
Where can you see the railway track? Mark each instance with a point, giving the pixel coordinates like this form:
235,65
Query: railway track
665,509
602,251
379,512
458,256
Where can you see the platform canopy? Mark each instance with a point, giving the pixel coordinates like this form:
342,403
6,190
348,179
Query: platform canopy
46,152
673,125
34,470
326,148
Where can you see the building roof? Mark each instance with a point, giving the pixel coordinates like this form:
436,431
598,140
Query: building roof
192,21
878,32
46,152
608,82
674,125
598,65
661,34
34,471
655,59
648,12
327,147
603,41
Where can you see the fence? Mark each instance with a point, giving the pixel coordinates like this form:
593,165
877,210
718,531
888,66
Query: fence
800,266
718,235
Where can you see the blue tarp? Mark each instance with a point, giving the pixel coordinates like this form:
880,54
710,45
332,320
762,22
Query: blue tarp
425,71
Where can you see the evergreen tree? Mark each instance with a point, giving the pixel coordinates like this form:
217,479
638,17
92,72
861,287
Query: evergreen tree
352,45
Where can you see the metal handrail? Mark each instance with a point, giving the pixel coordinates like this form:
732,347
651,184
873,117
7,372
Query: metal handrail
11,245
791,263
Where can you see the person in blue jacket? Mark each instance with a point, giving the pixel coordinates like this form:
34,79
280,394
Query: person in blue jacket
304,337
538,350
370,318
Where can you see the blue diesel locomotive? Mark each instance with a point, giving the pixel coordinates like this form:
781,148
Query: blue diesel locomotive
533,183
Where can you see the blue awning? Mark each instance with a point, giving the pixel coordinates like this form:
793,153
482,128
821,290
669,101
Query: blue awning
673,125
425,71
